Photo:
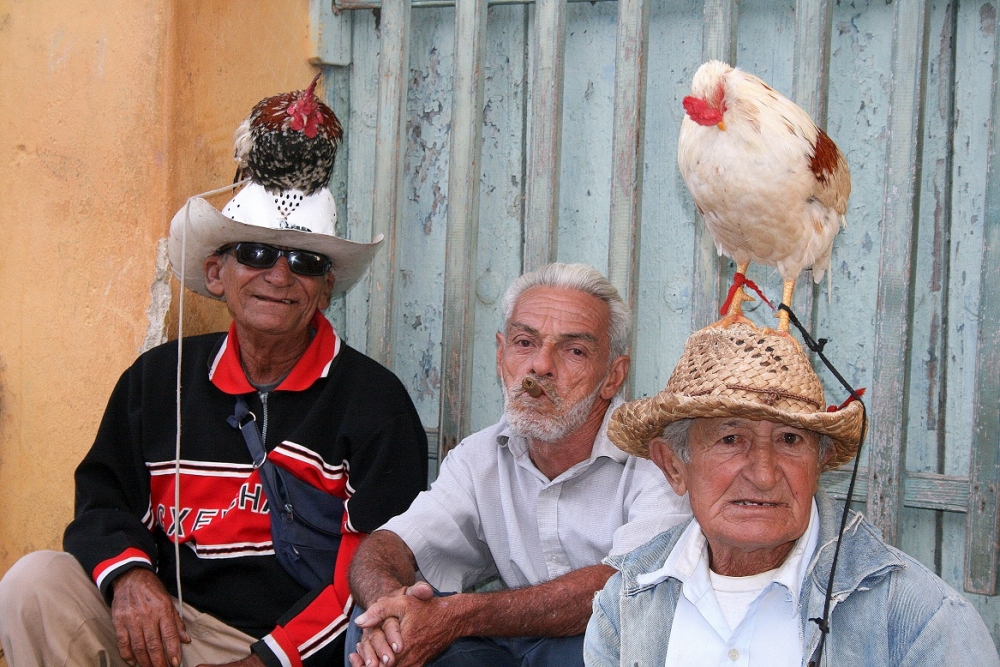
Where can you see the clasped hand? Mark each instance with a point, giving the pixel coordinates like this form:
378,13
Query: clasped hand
405,628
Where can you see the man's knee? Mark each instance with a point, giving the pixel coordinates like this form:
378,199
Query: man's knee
31,578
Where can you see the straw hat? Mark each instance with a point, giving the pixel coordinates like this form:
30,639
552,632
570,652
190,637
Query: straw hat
290,219
740,371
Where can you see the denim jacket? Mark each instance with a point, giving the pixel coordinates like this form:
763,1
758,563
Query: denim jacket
887,608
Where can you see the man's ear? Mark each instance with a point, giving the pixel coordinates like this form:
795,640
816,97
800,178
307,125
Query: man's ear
616,377
667,461
213,271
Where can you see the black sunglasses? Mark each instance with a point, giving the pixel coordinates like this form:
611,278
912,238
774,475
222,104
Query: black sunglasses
263,256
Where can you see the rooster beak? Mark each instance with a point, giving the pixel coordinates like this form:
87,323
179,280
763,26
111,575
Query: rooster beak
722,125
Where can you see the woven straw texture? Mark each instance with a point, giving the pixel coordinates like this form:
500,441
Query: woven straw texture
739,371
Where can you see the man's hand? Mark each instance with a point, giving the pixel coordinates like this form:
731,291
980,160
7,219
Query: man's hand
148,628
405,628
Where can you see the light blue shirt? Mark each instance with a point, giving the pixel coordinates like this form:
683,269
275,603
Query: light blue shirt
770,634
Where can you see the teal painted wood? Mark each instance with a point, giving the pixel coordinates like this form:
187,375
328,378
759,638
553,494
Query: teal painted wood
463,220
666,291
981,557
892,325
359,145
390,149
337,91
974,62
628,141
501,203
542,198
926,416
423,230
587,136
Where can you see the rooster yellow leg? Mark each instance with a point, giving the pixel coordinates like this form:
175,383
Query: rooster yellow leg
786,298
734,313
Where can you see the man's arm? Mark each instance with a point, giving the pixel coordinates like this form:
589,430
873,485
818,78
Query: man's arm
408,629
382,565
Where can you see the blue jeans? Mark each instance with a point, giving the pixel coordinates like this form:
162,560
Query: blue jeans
494,651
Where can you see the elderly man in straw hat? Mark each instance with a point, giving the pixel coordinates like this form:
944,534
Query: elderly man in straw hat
743,430
278,405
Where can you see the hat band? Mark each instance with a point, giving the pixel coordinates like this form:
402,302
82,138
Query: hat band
770,396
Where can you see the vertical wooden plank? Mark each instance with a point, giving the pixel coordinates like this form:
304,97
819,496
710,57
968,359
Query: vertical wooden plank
359,145
718,42
390,151
501,204
982,538
627,143
541,209
809,84
463,221
930,364
892,322
337,90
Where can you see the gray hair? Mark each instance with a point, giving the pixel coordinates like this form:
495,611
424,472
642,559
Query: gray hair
676,435
583,278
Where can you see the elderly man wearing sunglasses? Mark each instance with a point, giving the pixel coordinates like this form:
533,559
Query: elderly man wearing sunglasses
291,447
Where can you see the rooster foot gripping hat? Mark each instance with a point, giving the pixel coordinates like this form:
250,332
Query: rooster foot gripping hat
287,147
740,371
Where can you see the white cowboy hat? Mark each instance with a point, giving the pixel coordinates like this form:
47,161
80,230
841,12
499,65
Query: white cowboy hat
290,218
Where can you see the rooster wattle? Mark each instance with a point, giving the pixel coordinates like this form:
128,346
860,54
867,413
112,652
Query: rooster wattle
770,185
288,142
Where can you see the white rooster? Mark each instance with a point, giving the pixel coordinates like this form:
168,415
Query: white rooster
770,185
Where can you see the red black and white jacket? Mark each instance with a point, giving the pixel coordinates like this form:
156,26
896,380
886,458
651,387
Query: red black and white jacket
339,421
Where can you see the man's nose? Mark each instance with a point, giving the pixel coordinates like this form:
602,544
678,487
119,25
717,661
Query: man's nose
762,467
543,361
280,273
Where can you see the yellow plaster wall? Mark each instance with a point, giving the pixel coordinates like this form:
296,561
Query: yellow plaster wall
112,113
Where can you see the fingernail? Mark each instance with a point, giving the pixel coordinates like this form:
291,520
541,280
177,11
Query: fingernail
394,647
385,659
363,618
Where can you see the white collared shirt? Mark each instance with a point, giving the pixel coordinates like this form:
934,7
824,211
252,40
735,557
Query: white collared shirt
770,634
491,511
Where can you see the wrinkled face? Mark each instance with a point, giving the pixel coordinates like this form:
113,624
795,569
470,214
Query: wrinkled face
272,301
558,337
750,483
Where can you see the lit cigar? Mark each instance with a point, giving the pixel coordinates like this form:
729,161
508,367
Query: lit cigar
532,387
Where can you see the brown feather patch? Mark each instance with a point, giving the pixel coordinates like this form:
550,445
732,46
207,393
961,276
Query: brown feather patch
826,156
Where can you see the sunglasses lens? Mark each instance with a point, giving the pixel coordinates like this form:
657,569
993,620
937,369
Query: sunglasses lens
307,263
257,255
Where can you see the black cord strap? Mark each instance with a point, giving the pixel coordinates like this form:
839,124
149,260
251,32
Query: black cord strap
817,347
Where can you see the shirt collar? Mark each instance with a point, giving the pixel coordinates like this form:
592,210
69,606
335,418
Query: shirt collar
226,371
688,561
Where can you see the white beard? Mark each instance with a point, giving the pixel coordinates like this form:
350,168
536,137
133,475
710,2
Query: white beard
526,422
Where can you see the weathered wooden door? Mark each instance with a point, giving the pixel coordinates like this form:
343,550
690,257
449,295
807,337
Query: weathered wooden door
486,140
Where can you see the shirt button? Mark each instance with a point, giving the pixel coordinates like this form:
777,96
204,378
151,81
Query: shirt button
734,654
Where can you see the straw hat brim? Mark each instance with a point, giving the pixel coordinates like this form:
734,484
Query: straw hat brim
637,422
204,230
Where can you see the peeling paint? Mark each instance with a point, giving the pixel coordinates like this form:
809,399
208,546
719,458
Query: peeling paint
988,18
159,300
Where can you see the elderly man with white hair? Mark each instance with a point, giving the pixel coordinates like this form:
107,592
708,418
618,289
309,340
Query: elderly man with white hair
536,500
742,429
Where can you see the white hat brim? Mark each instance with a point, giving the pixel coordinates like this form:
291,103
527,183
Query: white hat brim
198,229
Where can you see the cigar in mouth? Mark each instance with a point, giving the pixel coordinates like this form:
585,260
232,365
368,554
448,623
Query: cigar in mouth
532,387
